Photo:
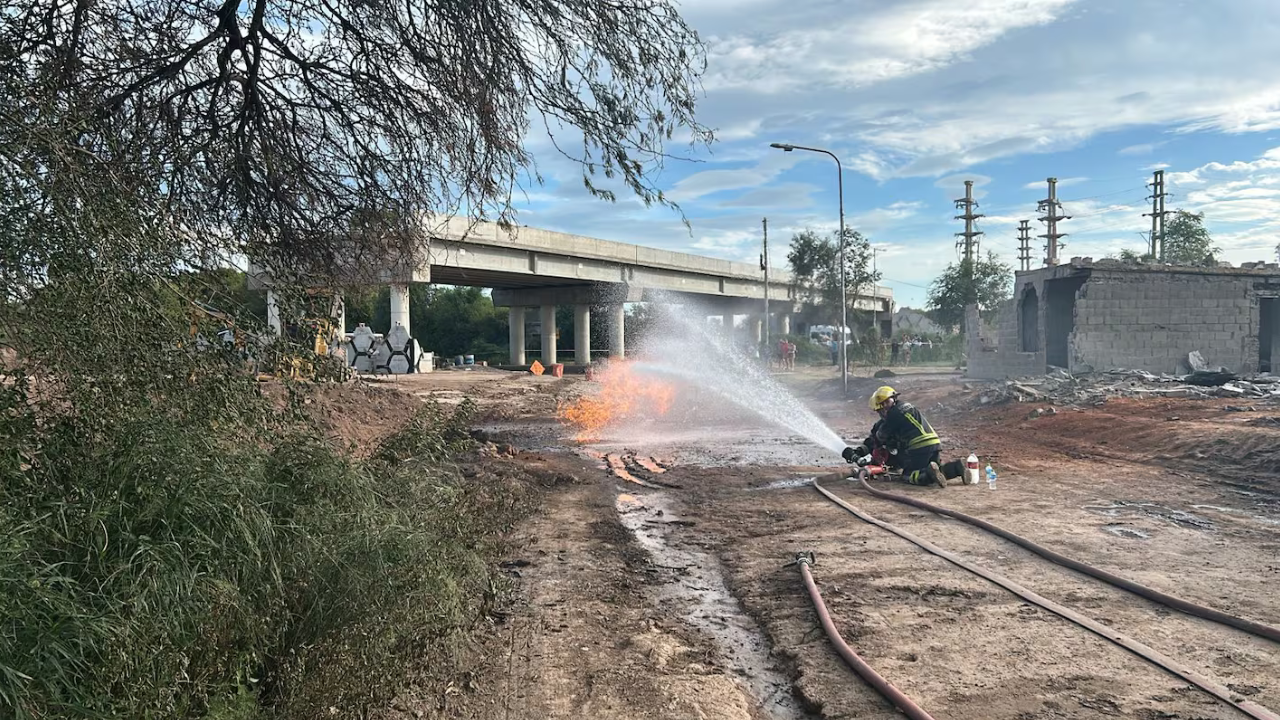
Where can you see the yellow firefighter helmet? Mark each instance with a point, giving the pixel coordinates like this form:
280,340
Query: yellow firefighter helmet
881,397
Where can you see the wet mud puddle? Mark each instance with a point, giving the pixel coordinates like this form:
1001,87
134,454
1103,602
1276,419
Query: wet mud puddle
1123,508
698,588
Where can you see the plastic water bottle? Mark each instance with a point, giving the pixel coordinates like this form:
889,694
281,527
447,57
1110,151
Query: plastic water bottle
971,470
991,478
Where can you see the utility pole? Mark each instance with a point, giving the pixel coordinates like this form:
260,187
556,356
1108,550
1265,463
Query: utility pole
970,241
1157,215
764,265
1024,243
875,302
1052,209
970,235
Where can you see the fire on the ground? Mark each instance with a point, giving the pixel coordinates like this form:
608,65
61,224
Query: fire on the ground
623,393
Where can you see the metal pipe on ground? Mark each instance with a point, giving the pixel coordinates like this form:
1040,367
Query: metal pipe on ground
1253,628
865,671
1205,683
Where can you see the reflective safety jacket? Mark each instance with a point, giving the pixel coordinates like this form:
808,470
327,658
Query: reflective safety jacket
904,428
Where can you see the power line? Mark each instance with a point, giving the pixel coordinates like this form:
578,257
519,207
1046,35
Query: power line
1111,194
904,282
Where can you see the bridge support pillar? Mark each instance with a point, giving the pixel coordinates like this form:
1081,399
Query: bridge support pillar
515,333
549,335
338,311
582,334
757,329
273,314
617,328
400,306
784,323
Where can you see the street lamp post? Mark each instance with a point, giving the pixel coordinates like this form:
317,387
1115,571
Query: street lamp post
844,323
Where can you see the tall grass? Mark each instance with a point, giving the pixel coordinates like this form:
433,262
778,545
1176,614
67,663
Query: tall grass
228,564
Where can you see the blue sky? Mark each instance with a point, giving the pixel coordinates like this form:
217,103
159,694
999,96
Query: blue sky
917,96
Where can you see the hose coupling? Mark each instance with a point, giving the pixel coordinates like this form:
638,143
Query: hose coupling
805,557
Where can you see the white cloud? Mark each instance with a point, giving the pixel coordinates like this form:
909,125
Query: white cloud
782,195
1140,149
1268,163
708,182
953,185
881,218
1062,182
868,42
885,82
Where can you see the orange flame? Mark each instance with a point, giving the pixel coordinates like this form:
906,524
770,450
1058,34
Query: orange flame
623,394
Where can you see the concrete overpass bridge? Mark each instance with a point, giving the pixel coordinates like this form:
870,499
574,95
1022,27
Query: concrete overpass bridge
529,267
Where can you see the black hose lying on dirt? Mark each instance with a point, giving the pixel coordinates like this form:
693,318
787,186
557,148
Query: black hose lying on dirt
1209,685
865,671
1253,628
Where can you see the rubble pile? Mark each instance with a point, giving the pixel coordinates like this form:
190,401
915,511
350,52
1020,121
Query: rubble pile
1062,388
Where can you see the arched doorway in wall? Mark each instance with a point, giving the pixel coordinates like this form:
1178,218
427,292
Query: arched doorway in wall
1029,321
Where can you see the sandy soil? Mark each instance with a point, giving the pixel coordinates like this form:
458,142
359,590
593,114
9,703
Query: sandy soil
678,603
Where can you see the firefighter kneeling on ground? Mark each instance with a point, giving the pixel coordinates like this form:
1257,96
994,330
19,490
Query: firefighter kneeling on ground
903,428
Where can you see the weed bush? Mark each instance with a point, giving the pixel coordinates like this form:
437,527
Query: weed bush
182,565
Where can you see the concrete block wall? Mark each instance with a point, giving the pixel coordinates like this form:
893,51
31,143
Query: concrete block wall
1150,321
1001,359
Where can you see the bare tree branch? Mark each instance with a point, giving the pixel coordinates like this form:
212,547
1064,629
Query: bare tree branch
266,126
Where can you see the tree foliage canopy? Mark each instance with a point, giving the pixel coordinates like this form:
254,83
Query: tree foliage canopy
986,281
459,321
279,122
814,262
1187,241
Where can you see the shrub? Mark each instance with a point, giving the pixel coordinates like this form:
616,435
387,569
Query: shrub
162,565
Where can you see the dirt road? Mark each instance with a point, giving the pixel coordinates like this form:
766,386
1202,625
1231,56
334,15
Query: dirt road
677,602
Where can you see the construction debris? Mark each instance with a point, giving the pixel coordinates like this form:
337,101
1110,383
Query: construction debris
1062,388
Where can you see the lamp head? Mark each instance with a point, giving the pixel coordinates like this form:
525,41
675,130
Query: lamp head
783,146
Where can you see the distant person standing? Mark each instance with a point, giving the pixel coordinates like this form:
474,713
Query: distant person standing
835,351
906,350
894,348
790,355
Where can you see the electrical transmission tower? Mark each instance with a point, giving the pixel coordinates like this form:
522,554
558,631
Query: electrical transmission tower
970,234
1024,243
1052,210
1157,214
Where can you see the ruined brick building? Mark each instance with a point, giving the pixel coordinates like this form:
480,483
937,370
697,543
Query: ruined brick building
1096,316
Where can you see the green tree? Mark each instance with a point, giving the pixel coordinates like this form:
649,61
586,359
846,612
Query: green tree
1187,241
987,282
814,262
1133,256
642,319
453,321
